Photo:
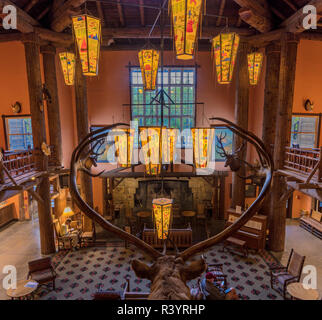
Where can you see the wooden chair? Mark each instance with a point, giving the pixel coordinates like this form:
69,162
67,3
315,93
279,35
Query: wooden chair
42,271
61,240
87,236
289,274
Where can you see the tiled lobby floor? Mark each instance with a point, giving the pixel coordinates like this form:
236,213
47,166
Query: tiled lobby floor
19,243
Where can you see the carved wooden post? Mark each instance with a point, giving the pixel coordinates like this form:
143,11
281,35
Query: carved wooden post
47,239
241,119
48,53
277,217
82,131
273,56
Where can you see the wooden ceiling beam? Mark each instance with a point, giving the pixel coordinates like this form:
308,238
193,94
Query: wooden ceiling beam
221,12
265,38
43,13
120,11
290,4
294,23
142,17
256,14
21,15
30,5
278,13
100,13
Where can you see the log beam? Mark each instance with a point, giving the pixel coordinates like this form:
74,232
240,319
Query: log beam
221,12
49,63
30,5
47,239
82,131
294,23
277,214
256,14
120,11
100,13
241,119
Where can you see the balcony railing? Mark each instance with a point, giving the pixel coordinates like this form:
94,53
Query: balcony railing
304,161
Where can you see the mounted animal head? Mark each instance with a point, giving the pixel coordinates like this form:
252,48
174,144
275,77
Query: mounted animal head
231,160
169,273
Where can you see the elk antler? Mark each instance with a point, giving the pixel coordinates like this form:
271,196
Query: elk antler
250,212
86,209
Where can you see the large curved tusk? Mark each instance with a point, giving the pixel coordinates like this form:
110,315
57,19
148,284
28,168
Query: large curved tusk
250,212
90,212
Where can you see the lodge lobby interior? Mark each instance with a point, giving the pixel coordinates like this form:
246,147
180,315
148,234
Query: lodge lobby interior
143,139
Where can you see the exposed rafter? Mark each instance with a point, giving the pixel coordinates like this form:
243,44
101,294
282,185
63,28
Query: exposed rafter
100,12
30,5
290,4
221,12
43,13
142,12
295,22
120,11
256,14
278,13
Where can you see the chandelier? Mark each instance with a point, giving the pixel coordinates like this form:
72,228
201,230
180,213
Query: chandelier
67,62
149,62
255,61
202,146
162,211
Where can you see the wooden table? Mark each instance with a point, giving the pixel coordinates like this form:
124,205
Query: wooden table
142,215
298,292
21,291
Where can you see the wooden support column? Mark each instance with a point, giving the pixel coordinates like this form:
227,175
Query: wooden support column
277,216
82,131
49,63
215,199
104,196
273,57
241,119
47,239
222,198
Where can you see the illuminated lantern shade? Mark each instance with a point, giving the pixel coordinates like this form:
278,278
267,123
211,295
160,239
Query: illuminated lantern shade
150,143
67,62
149,62
169,140
185,20
255,61
202,142
124,141
162,210
87,31
225,48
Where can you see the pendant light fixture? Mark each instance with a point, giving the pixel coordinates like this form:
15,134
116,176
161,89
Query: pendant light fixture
255,62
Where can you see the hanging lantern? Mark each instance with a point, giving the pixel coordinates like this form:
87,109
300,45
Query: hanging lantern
169,141
67,62
162,211
255,61
87,31
202,142
185,20
149,62
124,142
225,47
150,143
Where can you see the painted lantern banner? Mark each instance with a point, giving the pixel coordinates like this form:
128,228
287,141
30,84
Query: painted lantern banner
149,63
162,210
202,145
185,20
87,31
151,148
124,144
225,48
67,62
255,61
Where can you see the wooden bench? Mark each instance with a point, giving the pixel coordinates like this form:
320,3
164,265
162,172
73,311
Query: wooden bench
181,237
313,223
240,245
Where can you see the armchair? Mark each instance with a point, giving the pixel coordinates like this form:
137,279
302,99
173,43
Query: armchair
289,274
42,271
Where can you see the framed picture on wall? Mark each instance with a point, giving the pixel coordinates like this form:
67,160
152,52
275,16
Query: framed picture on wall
250,191
227,141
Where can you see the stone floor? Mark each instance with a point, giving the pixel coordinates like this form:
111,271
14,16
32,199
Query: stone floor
19,243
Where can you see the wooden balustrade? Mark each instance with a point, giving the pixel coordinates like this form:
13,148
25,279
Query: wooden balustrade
304,161
19,163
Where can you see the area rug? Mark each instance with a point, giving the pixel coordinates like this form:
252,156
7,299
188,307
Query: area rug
81,273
